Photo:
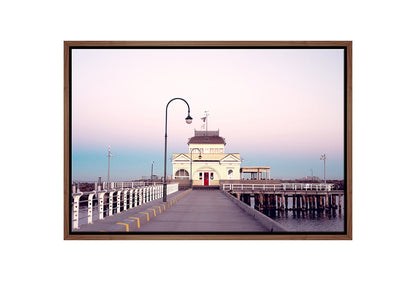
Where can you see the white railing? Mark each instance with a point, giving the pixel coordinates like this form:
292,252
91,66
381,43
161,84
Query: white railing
278,187
120,197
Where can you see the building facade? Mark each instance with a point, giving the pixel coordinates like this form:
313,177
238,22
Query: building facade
209,163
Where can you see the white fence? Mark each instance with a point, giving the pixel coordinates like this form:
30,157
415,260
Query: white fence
278,187
120,197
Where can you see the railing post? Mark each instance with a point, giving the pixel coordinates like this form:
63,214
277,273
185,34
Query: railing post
131,198
75,210
140,196
135,196
118,201
90,197
110,203
101,204
125,206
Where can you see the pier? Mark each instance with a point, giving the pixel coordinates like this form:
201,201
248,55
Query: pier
206,211
232,208
288,196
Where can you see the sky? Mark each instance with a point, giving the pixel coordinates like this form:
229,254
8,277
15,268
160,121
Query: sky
280,108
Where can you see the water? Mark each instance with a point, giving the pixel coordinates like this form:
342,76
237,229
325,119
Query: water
310,221
298,221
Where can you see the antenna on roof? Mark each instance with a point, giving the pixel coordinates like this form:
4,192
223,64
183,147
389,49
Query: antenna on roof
205,120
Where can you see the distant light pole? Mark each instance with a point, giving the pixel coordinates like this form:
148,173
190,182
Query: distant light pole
323,157
108,172
188,120
151,173
191,180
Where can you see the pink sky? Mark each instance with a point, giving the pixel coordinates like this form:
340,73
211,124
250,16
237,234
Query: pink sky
280,102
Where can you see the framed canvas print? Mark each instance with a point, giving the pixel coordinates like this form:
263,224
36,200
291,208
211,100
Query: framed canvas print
208,140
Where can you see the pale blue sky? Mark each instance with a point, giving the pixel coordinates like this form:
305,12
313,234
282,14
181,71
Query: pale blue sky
277,107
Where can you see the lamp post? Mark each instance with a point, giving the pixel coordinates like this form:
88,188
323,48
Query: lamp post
188,120
323,157
151,172
191,180
108,170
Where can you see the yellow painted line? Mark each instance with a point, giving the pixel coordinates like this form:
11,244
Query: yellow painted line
127,226
147,214
154,211
138,221
164,209
160,210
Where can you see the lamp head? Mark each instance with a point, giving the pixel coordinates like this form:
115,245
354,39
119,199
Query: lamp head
188,119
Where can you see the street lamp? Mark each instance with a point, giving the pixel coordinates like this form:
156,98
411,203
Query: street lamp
323,157
188,120
151,172
191,163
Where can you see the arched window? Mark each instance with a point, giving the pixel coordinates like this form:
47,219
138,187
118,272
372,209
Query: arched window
230,174
181,174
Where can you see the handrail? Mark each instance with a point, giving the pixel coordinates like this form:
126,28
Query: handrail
280,186
120,198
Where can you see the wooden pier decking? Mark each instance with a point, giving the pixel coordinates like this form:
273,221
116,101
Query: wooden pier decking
190,211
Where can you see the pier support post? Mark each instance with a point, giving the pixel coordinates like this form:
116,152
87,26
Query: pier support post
326,201
286,202
339,203
75,210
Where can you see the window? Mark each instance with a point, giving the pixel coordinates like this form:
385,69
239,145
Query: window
230,174
212,176
200,176
182,174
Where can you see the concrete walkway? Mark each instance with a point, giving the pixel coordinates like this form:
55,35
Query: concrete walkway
203,211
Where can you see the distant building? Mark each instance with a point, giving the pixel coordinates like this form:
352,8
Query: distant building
214,164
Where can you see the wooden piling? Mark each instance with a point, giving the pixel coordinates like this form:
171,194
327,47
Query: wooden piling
286,202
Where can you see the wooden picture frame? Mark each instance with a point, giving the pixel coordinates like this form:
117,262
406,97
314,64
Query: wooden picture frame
346,46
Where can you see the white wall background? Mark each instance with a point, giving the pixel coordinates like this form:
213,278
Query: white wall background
31,87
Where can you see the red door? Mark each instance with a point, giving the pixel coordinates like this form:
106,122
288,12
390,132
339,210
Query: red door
206,178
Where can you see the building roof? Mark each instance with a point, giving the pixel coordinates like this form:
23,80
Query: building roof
207,156
207,137
254,169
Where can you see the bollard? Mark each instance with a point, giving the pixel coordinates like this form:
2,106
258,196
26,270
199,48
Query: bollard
90,197
75,211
